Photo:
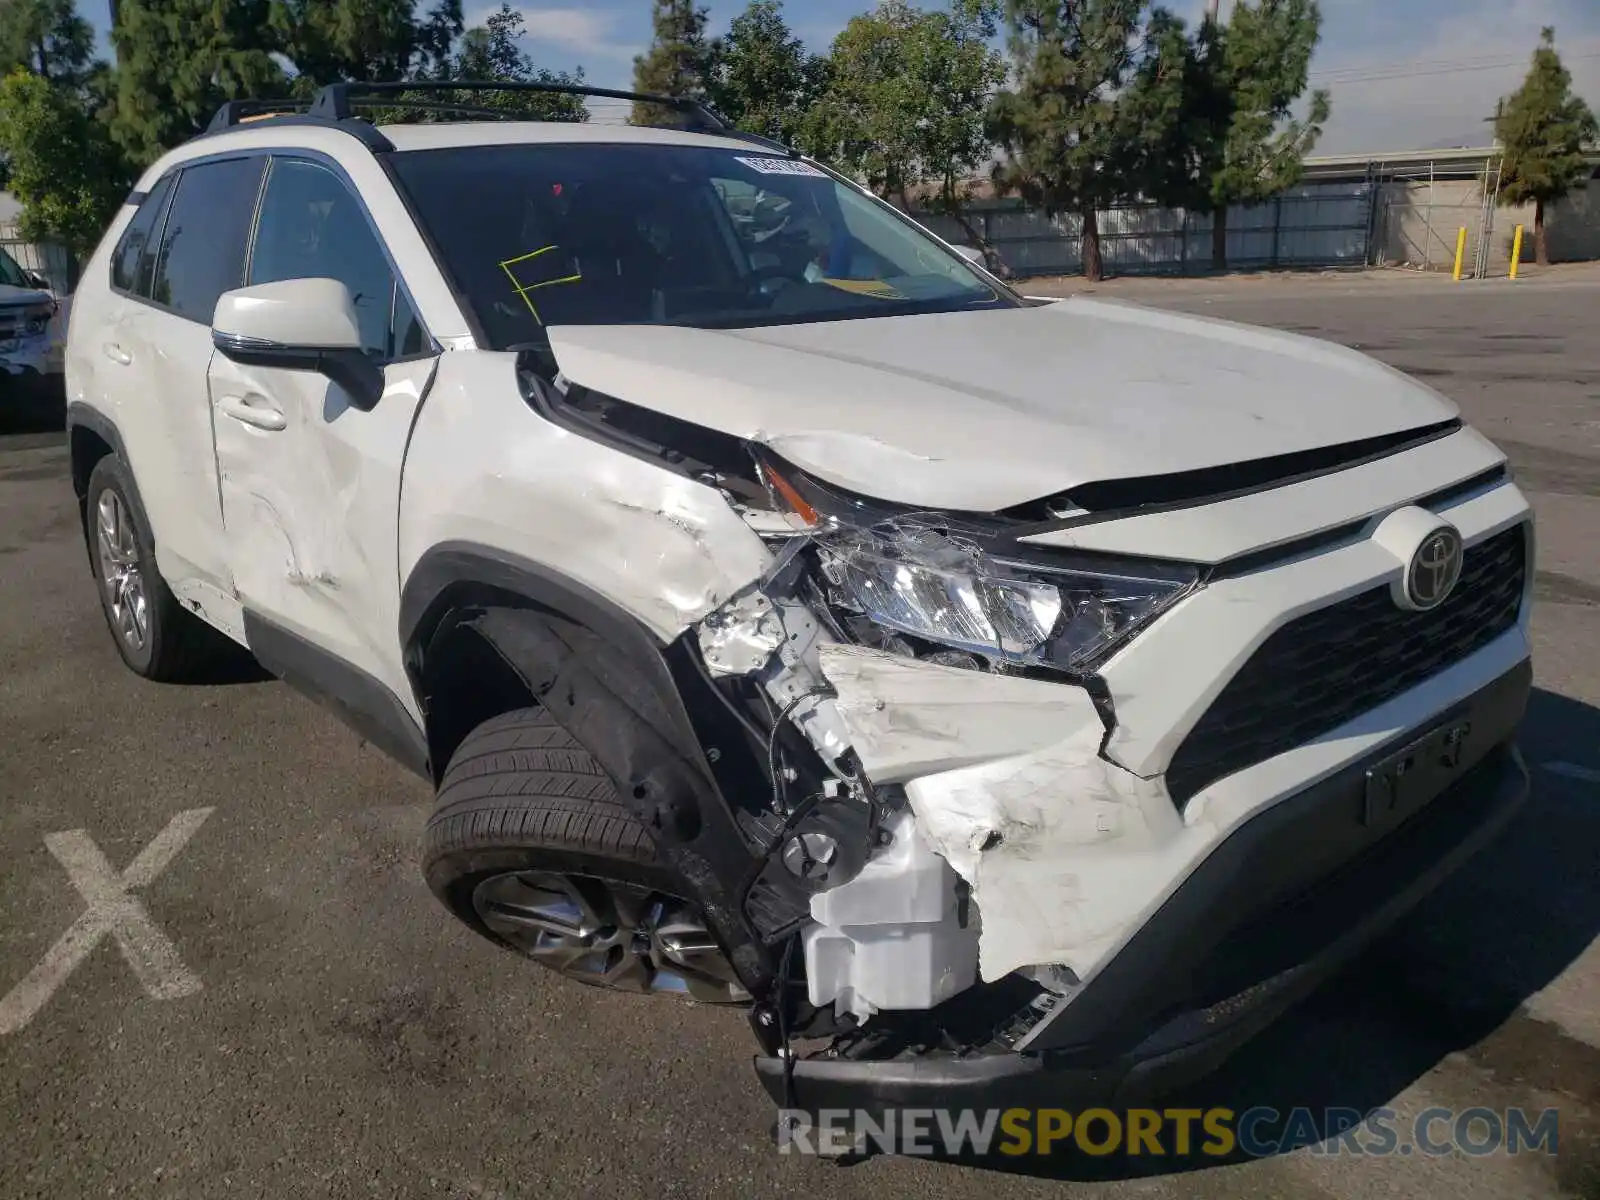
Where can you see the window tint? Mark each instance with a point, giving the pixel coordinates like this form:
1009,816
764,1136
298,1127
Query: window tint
125,262
312,227
202,250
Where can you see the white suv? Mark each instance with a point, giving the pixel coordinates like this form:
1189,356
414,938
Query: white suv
1005,696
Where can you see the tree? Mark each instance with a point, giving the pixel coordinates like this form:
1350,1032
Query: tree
491,52
62,163
762,79
1544,128
47,38
1071,137
179,60
905,102
1244,80
679,63
331,40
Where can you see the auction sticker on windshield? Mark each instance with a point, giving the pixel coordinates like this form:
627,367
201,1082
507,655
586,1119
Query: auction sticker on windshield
781,166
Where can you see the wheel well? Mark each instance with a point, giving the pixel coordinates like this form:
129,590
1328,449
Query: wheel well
463,682
87,448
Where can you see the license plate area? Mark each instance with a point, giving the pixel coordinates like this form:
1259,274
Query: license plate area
1404,781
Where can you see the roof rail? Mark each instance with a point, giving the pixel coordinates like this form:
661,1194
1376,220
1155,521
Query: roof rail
337,101
240,112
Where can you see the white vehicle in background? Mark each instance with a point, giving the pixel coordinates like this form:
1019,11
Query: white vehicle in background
32,336
1014,699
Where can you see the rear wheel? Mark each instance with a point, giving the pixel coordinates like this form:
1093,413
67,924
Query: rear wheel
530,846
156,637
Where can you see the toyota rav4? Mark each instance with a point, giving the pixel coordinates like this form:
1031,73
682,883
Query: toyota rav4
988,694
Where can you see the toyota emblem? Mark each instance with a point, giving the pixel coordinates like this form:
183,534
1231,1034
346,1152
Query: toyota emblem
1434,569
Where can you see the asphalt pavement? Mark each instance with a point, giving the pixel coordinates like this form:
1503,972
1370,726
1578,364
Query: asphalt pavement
221,973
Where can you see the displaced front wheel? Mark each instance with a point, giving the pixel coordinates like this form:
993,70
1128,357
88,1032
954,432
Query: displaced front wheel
530,846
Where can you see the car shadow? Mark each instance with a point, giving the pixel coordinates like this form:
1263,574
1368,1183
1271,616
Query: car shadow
1450,979
38,409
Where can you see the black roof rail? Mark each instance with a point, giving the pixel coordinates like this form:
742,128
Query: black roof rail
238,112
336,101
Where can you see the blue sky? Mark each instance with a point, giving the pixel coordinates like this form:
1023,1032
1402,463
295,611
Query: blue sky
1395,67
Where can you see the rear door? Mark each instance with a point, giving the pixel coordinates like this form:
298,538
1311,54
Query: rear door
311,485
155,352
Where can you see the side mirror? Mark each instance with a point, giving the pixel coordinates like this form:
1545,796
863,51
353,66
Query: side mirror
37,280
299,325
972,254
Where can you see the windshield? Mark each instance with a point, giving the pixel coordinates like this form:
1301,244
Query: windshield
11,275
578,234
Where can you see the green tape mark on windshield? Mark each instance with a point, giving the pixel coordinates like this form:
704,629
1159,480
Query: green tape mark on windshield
523,289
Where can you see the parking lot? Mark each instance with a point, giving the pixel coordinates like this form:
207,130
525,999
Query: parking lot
291,1014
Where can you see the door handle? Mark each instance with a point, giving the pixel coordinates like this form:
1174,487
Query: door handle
117,354
261,415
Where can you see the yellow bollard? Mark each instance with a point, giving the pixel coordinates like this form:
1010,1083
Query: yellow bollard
1461,252
1516,252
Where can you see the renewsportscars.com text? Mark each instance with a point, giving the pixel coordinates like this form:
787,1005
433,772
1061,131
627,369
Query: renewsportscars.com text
1178,1132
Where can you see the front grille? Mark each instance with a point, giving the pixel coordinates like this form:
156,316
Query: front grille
1332,665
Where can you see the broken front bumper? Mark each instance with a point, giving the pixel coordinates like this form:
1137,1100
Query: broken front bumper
1285,900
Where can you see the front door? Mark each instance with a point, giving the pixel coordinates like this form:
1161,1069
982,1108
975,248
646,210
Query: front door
310,483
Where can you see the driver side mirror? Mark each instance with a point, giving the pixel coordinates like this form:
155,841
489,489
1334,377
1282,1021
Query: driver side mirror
299,325
37,280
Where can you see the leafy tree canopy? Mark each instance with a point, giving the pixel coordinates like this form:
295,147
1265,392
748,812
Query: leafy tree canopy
47,38
680,61
1544,127
762,78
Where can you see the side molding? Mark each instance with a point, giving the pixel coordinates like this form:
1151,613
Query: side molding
361,701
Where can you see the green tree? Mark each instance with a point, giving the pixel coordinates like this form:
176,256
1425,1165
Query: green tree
1544,127
905,102
1071,130
680,62
47,38
1238,130
179,60
492,52
331,40
762,79
62,164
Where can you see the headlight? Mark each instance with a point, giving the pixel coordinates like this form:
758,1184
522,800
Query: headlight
920,581
36,322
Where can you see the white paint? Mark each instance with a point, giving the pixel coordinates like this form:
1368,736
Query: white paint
1168,675
1573,771
291,312
310,508
981,410
111,911
485,468
1213,532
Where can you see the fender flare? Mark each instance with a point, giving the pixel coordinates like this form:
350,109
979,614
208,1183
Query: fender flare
620,692
82,416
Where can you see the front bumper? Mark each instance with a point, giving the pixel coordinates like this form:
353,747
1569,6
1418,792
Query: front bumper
1284,901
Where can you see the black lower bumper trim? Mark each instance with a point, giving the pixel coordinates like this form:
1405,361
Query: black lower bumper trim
1267,962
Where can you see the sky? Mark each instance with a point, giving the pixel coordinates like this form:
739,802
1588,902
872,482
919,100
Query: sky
1405,74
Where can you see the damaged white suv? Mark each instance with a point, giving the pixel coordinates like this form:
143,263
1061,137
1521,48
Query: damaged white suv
997,697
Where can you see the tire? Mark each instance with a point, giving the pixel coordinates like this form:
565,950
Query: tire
530,847
520,793
169,644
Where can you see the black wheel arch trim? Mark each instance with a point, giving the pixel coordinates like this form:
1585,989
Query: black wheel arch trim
565,642
82,416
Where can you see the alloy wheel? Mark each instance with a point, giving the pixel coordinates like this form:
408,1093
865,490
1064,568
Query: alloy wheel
121,573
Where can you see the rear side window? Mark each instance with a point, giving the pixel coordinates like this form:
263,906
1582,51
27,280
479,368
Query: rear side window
141,231
207,231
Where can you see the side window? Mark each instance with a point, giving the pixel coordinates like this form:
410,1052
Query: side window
141,230
312,227
203,248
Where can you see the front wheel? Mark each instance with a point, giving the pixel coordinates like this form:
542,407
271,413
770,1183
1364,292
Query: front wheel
530,847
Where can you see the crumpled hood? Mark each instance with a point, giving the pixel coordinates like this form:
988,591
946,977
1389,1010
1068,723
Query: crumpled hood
978,411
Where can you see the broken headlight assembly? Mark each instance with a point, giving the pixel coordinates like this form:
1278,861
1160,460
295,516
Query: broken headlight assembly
890,577
913,578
